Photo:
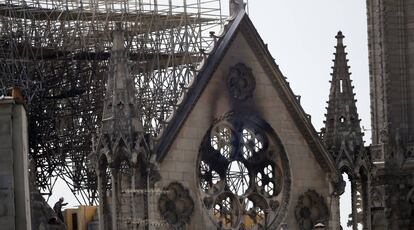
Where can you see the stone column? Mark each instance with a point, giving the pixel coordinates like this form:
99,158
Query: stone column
103,202
14,170
335,213
354,201
365,204
115,200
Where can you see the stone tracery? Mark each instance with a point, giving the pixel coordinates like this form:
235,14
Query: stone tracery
242,173
241,82
176,205
310,210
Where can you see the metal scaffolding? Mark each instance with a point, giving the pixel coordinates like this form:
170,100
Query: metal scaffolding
57,52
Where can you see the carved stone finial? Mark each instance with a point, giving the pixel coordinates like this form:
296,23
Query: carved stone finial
236,6
340,37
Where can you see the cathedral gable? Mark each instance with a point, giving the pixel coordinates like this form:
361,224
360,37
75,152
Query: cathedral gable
241,112
240,37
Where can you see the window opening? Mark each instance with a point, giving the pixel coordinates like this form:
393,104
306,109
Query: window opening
259,179
240,175
224,209
251,143
238,178
345,204
222,141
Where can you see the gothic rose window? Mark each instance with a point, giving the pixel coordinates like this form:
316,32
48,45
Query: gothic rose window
243,174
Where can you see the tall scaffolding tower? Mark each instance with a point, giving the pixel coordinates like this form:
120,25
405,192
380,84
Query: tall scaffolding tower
57,52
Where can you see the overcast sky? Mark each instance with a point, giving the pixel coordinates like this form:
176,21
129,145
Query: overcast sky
301,37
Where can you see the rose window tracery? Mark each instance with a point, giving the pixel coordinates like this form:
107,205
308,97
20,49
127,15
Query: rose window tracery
222,141
237,178
243,174
251,143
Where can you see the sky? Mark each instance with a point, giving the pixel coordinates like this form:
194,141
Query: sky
301,37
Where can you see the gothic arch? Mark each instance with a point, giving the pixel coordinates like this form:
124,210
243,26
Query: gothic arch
346,167
102,162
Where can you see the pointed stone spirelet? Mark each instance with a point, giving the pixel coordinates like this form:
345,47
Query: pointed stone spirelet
342,124
121,114
122,151
121,120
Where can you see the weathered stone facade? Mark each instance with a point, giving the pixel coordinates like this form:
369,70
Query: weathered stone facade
391,54
240,153
308,164
14,179
121,151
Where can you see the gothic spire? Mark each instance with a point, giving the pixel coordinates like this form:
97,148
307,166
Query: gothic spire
121,145
342,132
122,129
120,109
